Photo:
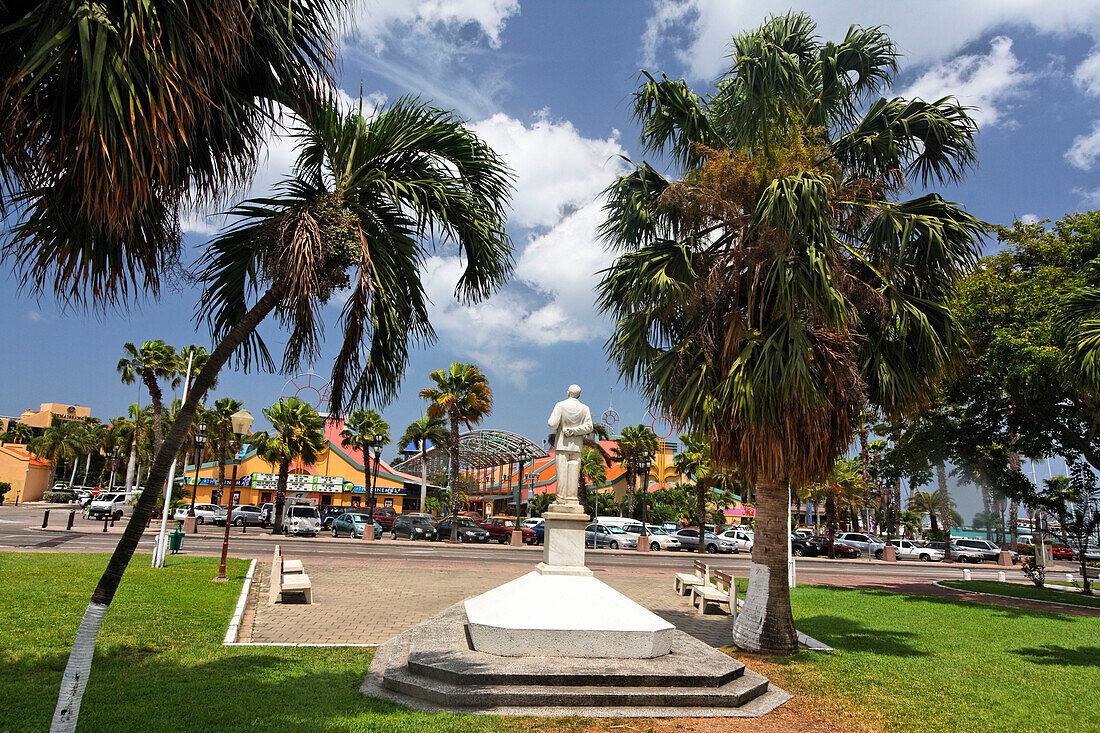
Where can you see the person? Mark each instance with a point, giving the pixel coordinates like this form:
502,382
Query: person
571,421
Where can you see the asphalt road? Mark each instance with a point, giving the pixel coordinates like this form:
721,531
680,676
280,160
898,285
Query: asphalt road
20,529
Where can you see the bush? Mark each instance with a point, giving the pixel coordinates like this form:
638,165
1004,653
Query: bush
5,487
1037,574
60,496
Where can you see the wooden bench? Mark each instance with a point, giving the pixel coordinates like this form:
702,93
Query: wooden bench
287,576
684,582
718,594
1092,573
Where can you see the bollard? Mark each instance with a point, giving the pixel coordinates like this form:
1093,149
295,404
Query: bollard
148,521
112,520
1001,577
966,573
105,520
244,527
45,518
72,516
1069,578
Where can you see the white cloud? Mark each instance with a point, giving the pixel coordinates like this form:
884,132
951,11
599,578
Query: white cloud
1085,149
376,19
1087,75
1089,199
982,82
1029,218
35,316
925,32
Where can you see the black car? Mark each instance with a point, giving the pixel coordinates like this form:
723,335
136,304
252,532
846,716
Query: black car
801,547
330,513
468,530
415,528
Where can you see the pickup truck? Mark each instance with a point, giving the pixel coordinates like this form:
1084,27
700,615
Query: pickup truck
500,529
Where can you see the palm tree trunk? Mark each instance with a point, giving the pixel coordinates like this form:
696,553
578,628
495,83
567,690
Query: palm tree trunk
897,502
87,468
131,466
157,398
630,493
72,476
79,666
454,477
280,496
766,623
701,511
817,519
830,520
423,476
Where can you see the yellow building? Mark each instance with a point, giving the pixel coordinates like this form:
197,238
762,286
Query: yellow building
28,476
50,411
336,479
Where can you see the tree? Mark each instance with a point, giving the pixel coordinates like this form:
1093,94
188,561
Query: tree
419,433
17,432
461,395
779,287
538,504
222,439
154,361
367,196
635,441
594,469
1075,500
989,521
295,436
361,430
5,487
694,461
61,442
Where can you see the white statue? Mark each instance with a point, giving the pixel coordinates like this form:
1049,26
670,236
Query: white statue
571,421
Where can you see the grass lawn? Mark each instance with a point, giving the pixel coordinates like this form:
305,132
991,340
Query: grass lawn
903,663
1030,592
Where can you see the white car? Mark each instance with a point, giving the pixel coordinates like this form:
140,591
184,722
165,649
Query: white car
911,550
301,520
741,539
113,506
530,522
659,539
203,513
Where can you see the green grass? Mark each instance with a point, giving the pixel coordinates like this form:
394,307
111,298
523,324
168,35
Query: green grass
1029,592
902,662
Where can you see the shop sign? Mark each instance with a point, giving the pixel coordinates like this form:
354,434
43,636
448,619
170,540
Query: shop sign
378,490
246,481
741,511
298,482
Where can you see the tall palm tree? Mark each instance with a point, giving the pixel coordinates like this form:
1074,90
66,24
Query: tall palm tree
362,429
369,196
62,442
197,356
219,426
695,461
634,441
461,395
296,435
779,286
17,432
594,470
93,433
140,438
420,432
154,361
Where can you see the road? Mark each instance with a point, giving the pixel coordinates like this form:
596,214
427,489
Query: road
20,529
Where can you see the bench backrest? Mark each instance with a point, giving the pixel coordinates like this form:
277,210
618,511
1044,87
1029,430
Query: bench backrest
722,581
701,568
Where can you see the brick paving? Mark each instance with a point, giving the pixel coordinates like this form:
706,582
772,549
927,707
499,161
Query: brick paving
356,602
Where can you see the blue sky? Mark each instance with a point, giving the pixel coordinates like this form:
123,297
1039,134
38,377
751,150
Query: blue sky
548,84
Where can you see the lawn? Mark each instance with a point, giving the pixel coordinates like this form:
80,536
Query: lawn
903,663
1030,592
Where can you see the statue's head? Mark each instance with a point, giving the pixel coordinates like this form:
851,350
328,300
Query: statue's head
574,390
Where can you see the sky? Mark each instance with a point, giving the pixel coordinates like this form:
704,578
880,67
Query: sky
548,85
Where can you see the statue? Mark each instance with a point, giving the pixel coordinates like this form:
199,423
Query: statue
571,421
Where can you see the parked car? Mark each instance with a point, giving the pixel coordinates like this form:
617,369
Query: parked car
914,550
1061,552
385,515
203,513
415,527
823,543
468,530
741,539
302,520
1092,552
476,516
500,529
267,514
329,513
597,535
801,547
689,539
245,514
989,550
862,541
353,524
114,506
804,532
540,531
659,539
531,521
959,553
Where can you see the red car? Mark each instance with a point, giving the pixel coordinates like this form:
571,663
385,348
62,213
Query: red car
385,515
822,543
500,529
1061,552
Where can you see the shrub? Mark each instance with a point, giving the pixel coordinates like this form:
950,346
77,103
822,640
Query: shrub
1037,574
5,487
59,496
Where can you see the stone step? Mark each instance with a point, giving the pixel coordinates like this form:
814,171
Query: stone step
736,693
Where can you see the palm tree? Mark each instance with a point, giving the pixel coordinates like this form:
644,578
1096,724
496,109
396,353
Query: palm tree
779,287
17,432
295,436
155,360
988,521
694,461
197,357
61,442
219,426
630,446
369,196
364,429
419,433
140,437
593,468
462,395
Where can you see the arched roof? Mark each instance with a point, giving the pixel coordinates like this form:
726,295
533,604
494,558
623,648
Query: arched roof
476,449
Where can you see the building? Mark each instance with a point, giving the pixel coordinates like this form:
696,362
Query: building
29,477
336,479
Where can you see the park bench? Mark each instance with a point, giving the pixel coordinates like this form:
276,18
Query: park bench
287,576
719,594
684,582
1092,573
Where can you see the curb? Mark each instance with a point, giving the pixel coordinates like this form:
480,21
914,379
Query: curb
235,622
1016,598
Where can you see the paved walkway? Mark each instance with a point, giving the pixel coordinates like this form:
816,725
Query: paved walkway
360,603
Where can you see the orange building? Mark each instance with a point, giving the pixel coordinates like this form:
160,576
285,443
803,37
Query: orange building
30,477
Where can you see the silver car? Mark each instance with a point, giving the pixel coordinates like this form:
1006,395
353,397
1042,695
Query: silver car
689,539
598,535
862,541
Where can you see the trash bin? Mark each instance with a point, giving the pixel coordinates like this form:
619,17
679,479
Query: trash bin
175,540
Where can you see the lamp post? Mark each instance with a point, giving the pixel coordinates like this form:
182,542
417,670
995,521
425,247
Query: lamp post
110,462
517,533
200,441
242,422
642,467
375,447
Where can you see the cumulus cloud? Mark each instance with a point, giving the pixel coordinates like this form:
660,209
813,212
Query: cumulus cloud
376,20
1029,218
1087,75
1085,149
984,82
1089,199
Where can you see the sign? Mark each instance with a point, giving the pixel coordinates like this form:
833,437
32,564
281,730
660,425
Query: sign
246,481
741,511
378,490
299,482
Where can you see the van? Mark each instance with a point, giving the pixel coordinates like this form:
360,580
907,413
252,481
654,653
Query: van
112,506
302,519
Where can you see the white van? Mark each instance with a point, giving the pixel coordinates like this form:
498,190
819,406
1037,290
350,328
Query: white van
110,506
300,519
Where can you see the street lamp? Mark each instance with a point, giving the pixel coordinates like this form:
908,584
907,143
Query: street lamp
200,441
517,533
376,443
110,454
241,420
643,465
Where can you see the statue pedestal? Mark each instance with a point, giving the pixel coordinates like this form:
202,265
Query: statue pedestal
563,543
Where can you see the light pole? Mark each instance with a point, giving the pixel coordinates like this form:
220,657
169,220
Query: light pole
111,462
517,533
242,422
642,467
200,441
375,447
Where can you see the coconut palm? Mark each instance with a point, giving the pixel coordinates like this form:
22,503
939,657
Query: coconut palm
594,470
368,196
634,442
419,433
219,426
779,286
461,395
17,432
695,462
61,442
363,429
295,435
154,361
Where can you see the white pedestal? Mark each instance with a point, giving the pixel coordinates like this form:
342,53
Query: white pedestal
563,544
